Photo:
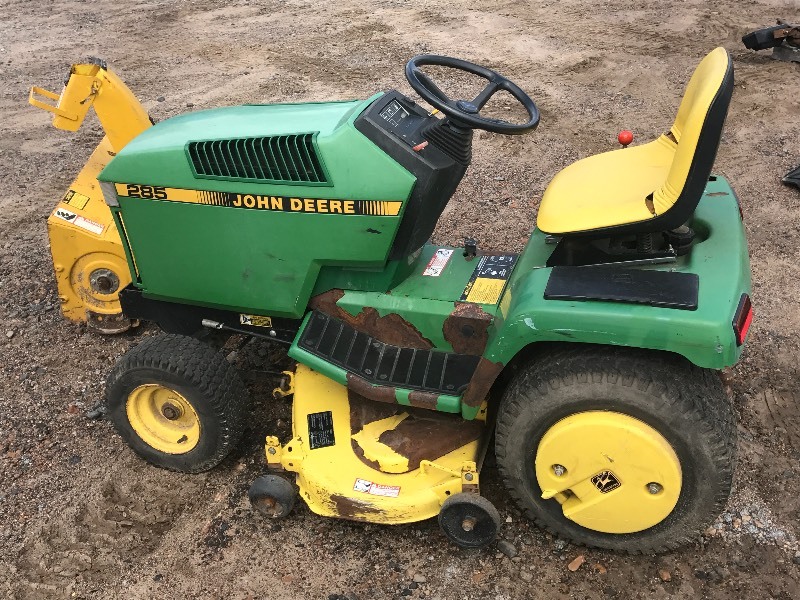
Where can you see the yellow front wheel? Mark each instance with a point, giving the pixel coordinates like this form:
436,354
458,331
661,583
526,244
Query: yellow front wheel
163,418
617,448
177,402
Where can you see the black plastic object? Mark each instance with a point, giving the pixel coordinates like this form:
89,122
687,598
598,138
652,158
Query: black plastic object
396,124
469,520
470,247
640,248
272,496
467,113
383,364
761,39
792,177
665,289
187,319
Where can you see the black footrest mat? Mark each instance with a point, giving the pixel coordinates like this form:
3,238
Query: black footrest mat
383,364
665,289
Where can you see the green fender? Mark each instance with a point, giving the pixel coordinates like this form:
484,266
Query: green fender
704,336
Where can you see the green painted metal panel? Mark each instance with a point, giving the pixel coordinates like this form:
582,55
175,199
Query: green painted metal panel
704,336
243,259
248,259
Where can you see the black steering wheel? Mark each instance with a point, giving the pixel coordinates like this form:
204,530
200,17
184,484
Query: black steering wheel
467,112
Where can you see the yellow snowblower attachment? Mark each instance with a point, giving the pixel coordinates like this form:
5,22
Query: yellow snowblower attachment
88,256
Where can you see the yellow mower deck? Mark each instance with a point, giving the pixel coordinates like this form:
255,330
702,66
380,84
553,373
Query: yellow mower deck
381,463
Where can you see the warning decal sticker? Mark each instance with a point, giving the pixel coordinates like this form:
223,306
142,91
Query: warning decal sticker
79,221
489,279
255,320
438,262
320,430
75,200
376,489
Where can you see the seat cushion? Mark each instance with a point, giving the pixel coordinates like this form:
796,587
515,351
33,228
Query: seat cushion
606,190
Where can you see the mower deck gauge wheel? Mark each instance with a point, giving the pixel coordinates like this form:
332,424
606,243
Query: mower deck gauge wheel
272,496
469,520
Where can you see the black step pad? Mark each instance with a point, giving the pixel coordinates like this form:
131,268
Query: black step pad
665,289
337,342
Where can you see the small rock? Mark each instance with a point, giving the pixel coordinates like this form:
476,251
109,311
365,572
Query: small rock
189,104
796,558
9,334
406,592
96,413
526,576
420,578
74,459
410,572
507,548
746,518
509,519
413,585
160,99
664,575
600,568
560,545
158,577
576,563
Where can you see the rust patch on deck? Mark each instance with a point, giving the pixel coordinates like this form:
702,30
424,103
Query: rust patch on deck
390,329
467,328
361,387
481,382
430,436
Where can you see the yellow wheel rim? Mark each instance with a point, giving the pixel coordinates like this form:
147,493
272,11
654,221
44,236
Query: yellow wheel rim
163,419
610,472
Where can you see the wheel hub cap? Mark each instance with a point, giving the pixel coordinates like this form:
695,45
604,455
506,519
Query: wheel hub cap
610,472
163,419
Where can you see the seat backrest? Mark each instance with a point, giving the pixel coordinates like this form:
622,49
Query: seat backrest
696,131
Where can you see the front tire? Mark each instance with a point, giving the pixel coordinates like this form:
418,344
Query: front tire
177,403
636,447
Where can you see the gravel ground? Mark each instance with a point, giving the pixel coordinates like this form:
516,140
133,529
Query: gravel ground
82,517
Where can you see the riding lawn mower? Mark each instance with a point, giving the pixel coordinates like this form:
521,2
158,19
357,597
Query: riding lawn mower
589,360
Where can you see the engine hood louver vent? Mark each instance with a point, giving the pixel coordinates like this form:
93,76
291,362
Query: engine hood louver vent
284,158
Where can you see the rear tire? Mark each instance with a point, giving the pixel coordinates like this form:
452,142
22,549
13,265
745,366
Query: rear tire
177,402
665,394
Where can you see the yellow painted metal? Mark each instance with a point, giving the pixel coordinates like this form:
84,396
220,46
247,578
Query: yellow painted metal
368,440
334,482
610,461
83,236
90,85
176,432
612,188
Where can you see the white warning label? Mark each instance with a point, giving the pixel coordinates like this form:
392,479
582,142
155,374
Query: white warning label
376,489
438,262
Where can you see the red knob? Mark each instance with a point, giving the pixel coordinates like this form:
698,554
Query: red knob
625,137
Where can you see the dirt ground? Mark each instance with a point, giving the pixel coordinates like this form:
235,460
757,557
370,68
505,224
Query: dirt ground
82,517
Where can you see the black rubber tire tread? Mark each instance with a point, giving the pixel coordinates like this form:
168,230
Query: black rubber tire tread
685,403
483,504
203,376
278,489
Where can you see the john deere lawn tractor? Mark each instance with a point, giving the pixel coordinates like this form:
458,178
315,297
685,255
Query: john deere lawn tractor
589,358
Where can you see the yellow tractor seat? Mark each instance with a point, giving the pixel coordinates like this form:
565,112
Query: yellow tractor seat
648,188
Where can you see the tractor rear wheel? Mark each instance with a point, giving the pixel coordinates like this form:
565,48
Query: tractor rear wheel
177,403
617,448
